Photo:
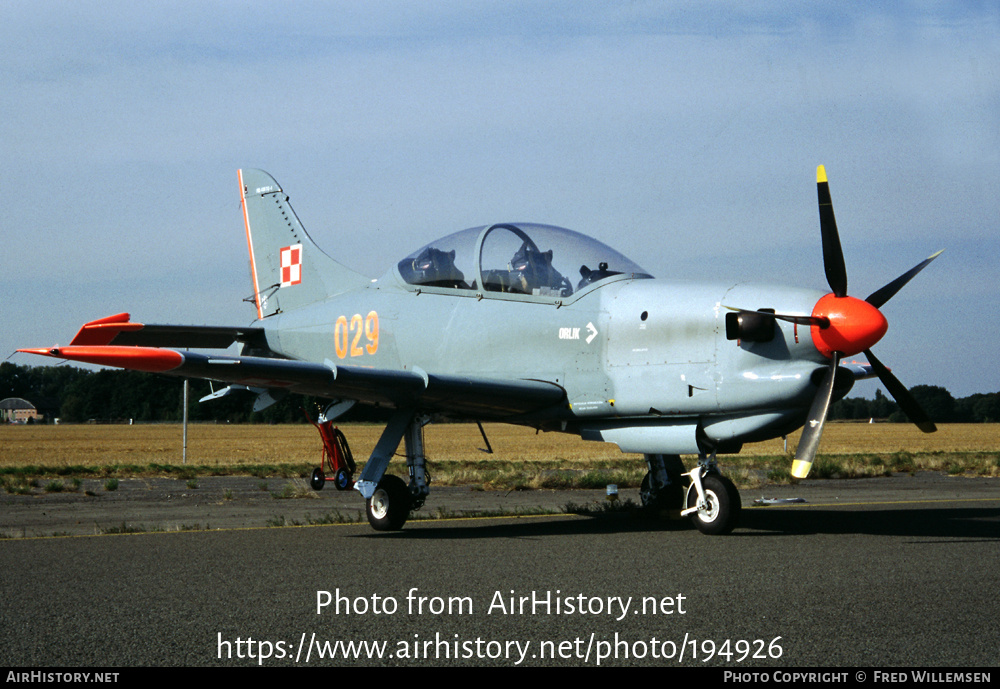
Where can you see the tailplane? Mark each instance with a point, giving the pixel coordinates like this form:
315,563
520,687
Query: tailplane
287,268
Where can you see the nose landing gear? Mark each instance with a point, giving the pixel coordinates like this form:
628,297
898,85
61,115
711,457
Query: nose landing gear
713,502
703,494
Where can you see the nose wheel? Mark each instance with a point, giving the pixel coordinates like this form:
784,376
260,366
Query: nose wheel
713,502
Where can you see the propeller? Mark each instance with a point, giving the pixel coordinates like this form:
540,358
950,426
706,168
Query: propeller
851,326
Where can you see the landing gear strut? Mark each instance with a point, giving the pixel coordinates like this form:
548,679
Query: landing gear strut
390,505
662,487
416,462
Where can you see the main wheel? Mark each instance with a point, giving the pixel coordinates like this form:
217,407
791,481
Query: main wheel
670,497
389,505
724,505
318,480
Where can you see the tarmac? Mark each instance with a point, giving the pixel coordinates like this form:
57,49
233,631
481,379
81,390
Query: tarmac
206,503
874,573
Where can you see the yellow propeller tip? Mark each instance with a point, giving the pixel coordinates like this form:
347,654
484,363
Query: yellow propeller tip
820,175
800,468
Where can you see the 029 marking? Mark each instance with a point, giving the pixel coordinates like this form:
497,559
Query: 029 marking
347,335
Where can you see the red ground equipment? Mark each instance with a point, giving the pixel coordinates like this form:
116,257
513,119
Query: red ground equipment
336,455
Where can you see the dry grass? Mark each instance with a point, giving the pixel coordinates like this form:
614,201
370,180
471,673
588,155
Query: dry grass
93,445
856,438
521,458
230,445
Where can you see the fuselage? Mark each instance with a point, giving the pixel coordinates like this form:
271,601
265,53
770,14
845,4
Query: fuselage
645,363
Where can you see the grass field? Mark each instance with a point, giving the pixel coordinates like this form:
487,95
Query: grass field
521,458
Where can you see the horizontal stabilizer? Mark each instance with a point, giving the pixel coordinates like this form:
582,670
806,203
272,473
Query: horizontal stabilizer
120,330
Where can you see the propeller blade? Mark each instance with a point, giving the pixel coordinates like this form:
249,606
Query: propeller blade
805,453
833,254
884,294
904,399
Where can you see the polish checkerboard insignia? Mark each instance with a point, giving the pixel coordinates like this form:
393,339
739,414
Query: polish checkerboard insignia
291,265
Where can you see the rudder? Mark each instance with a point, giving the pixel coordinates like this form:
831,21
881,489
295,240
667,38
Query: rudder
287,268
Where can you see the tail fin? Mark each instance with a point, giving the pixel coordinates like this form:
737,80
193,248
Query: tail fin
287,268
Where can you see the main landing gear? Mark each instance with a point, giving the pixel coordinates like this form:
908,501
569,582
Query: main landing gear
390,505
388,499
705,495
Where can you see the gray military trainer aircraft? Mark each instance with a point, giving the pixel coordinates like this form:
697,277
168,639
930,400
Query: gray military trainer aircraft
528,324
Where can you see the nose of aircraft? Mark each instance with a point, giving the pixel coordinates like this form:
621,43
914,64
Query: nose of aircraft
854,325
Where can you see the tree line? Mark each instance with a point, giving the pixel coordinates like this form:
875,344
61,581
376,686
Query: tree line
939,404
78,395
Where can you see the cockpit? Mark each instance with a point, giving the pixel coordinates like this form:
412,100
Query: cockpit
527,259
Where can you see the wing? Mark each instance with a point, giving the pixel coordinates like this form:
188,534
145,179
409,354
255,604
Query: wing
860,371
117,341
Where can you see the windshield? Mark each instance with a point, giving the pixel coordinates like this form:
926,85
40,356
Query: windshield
521,258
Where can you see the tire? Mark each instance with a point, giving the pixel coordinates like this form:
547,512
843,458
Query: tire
670,498
724,506
318,480
389,505
342,479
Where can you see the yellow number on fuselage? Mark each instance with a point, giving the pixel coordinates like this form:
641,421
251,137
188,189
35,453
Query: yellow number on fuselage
371,332
359,327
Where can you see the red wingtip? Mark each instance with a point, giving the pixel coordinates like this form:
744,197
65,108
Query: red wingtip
149,359
41,352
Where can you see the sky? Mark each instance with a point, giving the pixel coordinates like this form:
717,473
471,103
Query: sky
686,135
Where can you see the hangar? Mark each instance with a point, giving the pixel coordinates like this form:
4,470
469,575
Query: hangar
18,410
